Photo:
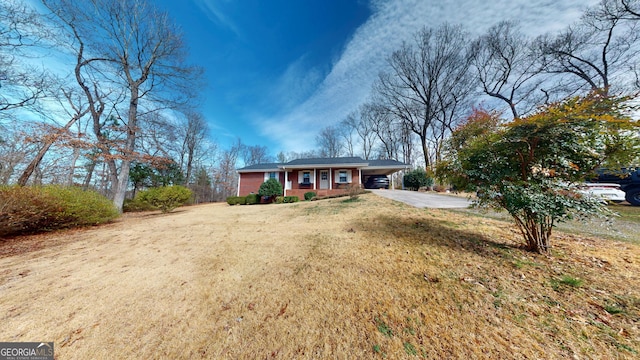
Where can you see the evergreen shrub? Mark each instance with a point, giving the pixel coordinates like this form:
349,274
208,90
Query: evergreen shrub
165,198
25,210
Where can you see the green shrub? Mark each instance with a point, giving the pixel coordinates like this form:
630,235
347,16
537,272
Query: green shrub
290,199
35,209
252,199
416,179
165,198
237,200
279,199
135,205
232,200
80,208
309,195
271,188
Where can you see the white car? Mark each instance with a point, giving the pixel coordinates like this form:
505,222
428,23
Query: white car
605,191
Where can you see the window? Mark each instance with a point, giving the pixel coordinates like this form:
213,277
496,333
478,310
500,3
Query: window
271,175
324,175
342,176
306,177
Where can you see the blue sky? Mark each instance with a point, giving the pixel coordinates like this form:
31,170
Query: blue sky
278,71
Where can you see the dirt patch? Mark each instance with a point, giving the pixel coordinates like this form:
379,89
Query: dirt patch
327,279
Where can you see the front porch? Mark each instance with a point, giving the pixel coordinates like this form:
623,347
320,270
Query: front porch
319,192
322,181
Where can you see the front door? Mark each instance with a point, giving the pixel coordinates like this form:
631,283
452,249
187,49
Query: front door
324,179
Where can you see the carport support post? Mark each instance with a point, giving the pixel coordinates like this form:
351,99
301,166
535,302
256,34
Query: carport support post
360,177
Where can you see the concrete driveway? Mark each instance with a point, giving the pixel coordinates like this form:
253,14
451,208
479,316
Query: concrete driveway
424,200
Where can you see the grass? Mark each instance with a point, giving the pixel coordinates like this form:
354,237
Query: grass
623,226
323,280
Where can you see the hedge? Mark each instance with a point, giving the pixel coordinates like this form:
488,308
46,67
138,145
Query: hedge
236,200
252,199
25,210
290,199
165,198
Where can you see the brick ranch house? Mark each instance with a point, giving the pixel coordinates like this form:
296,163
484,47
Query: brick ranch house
324,176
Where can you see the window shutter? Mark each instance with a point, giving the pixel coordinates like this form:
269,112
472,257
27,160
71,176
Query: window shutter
349,174
336,176
266,176
300,176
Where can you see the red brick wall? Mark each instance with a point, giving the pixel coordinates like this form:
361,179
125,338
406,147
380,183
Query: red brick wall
250,182
335,187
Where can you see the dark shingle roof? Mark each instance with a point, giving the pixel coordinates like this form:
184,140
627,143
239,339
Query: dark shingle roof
318,162
374,163
328,161
264,167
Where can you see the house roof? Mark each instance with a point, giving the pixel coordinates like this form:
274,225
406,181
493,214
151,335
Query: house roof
261,167
334,162
355,161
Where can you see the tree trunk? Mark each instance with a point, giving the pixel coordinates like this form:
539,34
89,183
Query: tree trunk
536,233
122,180
72,167
33,165
22,181
87,179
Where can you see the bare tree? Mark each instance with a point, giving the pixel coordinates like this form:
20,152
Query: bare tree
78,109
420,75
255,154
194,132
620,9
15,148
624,10
20,28
507,68
283,157
328,142
595,54
361,122
225,176
346,128
141,51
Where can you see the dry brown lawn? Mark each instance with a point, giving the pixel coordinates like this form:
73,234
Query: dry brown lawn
330,279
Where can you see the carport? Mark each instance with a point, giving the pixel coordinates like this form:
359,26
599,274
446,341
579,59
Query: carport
383,167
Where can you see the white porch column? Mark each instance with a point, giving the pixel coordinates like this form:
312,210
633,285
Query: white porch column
393,185
330,179
359,176
239,177
286,181
314,178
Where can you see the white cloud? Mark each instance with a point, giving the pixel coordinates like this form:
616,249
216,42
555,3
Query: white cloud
214,12
296,84
348,83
